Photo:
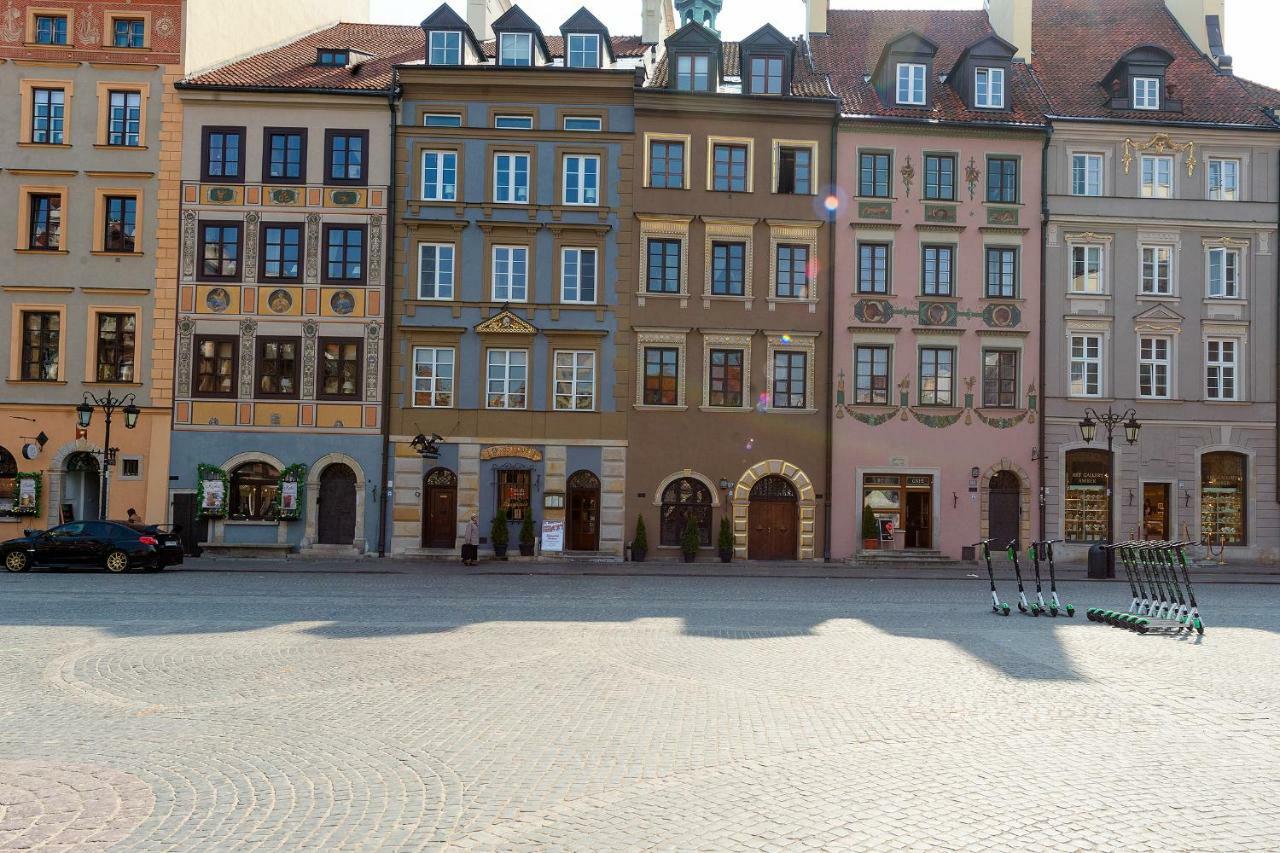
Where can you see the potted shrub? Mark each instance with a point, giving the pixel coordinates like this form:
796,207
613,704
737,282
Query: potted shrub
498,536
726,540
526,537
690,540
639,545
870,530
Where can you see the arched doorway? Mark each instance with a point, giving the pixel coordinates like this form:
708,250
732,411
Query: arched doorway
336,506
1004,507
81,490
683,499
439,508
584,511
773,520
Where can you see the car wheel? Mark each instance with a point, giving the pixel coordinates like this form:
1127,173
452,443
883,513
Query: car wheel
17,561
117,562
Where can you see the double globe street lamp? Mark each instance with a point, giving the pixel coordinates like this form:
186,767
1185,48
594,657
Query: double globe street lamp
1109,420
109,404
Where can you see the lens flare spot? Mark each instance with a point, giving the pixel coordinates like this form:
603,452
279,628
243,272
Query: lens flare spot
831,203
762,403
786,339
750,444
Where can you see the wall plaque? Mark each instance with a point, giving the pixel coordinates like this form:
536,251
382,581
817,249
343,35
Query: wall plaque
508,451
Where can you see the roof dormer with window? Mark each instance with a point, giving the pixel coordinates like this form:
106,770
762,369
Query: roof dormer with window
1137,82
519,41
449,41
982,74
586,41
693,59
767,58
904,75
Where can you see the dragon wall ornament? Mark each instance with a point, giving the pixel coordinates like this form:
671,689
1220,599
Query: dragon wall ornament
1161,143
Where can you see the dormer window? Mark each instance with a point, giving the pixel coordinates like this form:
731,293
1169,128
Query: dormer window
988,88
911,84
335,58
515,49
1146,93
446,47
693,72
766,75
583,50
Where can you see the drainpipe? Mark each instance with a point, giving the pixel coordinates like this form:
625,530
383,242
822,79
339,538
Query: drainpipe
1044,318
1275,379
384,491
831,347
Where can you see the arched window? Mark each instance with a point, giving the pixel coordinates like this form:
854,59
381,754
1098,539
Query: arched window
8,480
773,488
1222,497
1086,503
683,499
253,491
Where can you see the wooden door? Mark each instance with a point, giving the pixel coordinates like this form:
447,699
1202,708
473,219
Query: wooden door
192,529
584,512
1155,511
1004,509
919,523
439,509
773,521
336,506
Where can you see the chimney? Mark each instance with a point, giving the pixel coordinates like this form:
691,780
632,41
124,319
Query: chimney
1011,19
1205,23
482,13
815,16
651,21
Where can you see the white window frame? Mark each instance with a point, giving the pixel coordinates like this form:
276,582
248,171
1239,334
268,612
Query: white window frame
523,54
596,122
444,286
433,382
1218,191
451,41
1236,290
1146,93
455,119
1153,362
1155,176
570,49
994,96
507,380
439,189
575,380
1144,280
571,287
513,157
577,180
1084,362
507,121
1088,159
508,279
912,88
1226,371
1087,249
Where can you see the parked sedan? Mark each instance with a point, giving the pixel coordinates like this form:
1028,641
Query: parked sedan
169,550
114,546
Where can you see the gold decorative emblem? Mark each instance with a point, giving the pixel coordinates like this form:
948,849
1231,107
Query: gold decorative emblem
1161,143
511,451
506,323
908,175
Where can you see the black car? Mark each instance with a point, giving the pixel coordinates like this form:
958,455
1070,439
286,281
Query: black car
169,550
115,546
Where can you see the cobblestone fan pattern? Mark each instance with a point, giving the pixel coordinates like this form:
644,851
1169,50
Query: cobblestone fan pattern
198,711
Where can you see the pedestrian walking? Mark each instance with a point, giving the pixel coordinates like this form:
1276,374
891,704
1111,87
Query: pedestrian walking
471,542
134,518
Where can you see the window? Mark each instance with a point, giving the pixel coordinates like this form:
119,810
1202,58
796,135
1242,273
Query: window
766,75
435,270
344,253
683,500
1220,369
445,47
219,250
121,223
439,175
795,171
48,116
511,178
1086,269
285,156
1224,179
510,273
51,29
277,367
988,88
1223,510
45,232
1153,367
339,368
508,122
1156,263
129,32
873,175
575,388
41,334
940,177
937,376
515,49
1157,177
789,380
1224,274
1086,174
130,468
1146,93
514,490
442,120
254,487
1002,180
281,252
793,272
729,168
215,366
589,124
345,152
578,275
116,340
507,379
666,164
433,377
871,375
1002,273
124,119
583,50
661,376
581,179
728,269
911,83
333,58
873,268
693,72
999,379
725,378
664,267
1086,366
937,267
1087,503
223,154
8,481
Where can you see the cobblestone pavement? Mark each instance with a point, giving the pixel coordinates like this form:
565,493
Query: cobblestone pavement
266,711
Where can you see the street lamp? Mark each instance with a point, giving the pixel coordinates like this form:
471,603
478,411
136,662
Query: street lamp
109,404
1088,431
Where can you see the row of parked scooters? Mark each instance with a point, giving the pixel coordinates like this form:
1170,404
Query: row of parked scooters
1039,551
1162,601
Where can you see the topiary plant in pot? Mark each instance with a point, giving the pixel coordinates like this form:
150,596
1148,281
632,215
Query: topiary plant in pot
870,530
725,543
639,545
526,537
498,535
690,540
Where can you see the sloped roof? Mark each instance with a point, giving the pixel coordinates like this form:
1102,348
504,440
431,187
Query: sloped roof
805,83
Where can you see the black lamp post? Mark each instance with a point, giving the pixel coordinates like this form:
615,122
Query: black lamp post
108,404
1109,420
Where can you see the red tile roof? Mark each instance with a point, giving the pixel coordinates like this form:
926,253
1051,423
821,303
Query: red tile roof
624,47
805,83
856,40
1077,42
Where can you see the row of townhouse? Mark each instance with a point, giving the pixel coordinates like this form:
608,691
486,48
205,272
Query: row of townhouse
407,275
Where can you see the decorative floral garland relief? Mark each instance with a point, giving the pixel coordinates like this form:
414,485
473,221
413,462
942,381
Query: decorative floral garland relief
927,417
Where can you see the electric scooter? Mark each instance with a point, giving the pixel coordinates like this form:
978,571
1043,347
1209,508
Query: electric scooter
1023,605
1107,615
1158,608
997,606
1193,617
1034,553
1057,606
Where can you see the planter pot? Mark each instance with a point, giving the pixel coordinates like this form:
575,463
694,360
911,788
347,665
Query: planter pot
500,551
526,550
726,555
688,558
870,544
638,554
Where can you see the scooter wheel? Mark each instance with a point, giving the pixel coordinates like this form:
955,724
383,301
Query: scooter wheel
1053,611
1199,627
1035,610
1004,610
1071,611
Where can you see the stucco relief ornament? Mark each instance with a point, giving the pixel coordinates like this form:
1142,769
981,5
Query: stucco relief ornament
189,221
87,28
11,29
972,174
373,333
248,329
164,27
908,175
1161,143
969,382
